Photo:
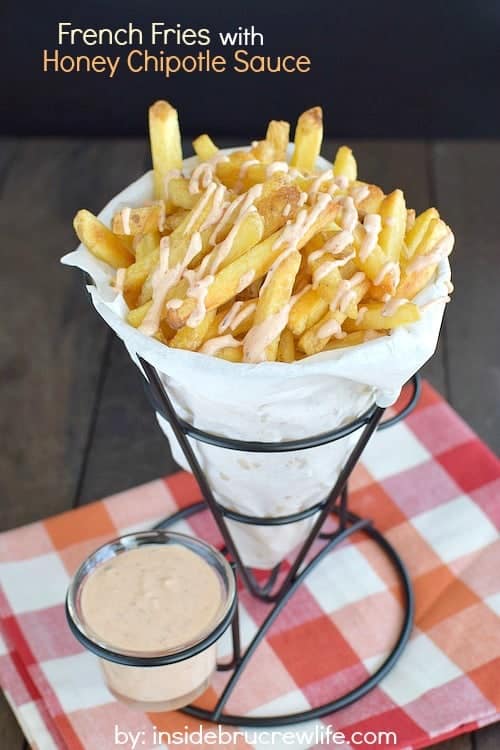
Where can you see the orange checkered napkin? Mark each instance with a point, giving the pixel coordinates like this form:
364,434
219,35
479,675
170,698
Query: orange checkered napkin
430,486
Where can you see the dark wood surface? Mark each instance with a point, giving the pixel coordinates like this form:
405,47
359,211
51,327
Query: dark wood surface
75,421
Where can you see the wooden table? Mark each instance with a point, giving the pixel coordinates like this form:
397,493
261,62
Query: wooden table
75,422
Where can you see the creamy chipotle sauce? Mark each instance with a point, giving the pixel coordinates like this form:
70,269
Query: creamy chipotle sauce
153,598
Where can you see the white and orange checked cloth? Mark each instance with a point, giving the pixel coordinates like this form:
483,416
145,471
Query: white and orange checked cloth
430,485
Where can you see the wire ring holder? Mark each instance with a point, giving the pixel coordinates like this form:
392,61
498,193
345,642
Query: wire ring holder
336,503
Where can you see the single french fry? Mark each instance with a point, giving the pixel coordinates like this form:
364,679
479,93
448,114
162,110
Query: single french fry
159,336
101,241
166,147
278,134
177,291
231,354
244,236
237,320
393,213
316,243
303,277
230,172
206,330
193,338
179,195
136,316
286,347
350,339
345,164
374,318
326,278
127,241
272,300
308,309
416,234
243,176
308,138
259,174
146,244
204,147
133,221
278,207
348,270
271,185
246,177
167,332
332,226
241,328
263,151
316,338
212,330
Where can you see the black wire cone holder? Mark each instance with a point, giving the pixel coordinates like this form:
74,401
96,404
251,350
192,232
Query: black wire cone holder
336,503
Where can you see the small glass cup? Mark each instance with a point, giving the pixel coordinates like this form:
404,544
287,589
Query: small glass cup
155,681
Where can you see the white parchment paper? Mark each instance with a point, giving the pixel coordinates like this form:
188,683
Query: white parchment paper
269,401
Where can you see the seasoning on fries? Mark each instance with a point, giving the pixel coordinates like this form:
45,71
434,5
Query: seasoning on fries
256,257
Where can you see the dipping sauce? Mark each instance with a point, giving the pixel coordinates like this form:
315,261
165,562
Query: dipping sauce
149,597
153,598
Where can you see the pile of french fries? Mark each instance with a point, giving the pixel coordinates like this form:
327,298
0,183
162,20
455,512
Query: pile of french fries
257,256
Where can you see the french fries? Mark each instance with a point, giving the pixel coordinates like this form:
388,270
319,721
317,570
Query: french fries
193,338
133,221
286,346
101,241
353,339
307,310
367,198
255,257
416,234
393,214
345,164
250,267
329,326
204,147
262,341
178,193
136,276
308,138
278,135
165,139
146,244
420,268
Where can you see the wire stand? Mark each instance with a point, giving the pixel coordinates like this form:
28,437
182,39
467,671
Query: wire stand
336,503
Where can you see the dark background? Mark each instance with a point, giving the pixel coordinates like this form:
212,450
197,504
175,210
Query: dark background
380,69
